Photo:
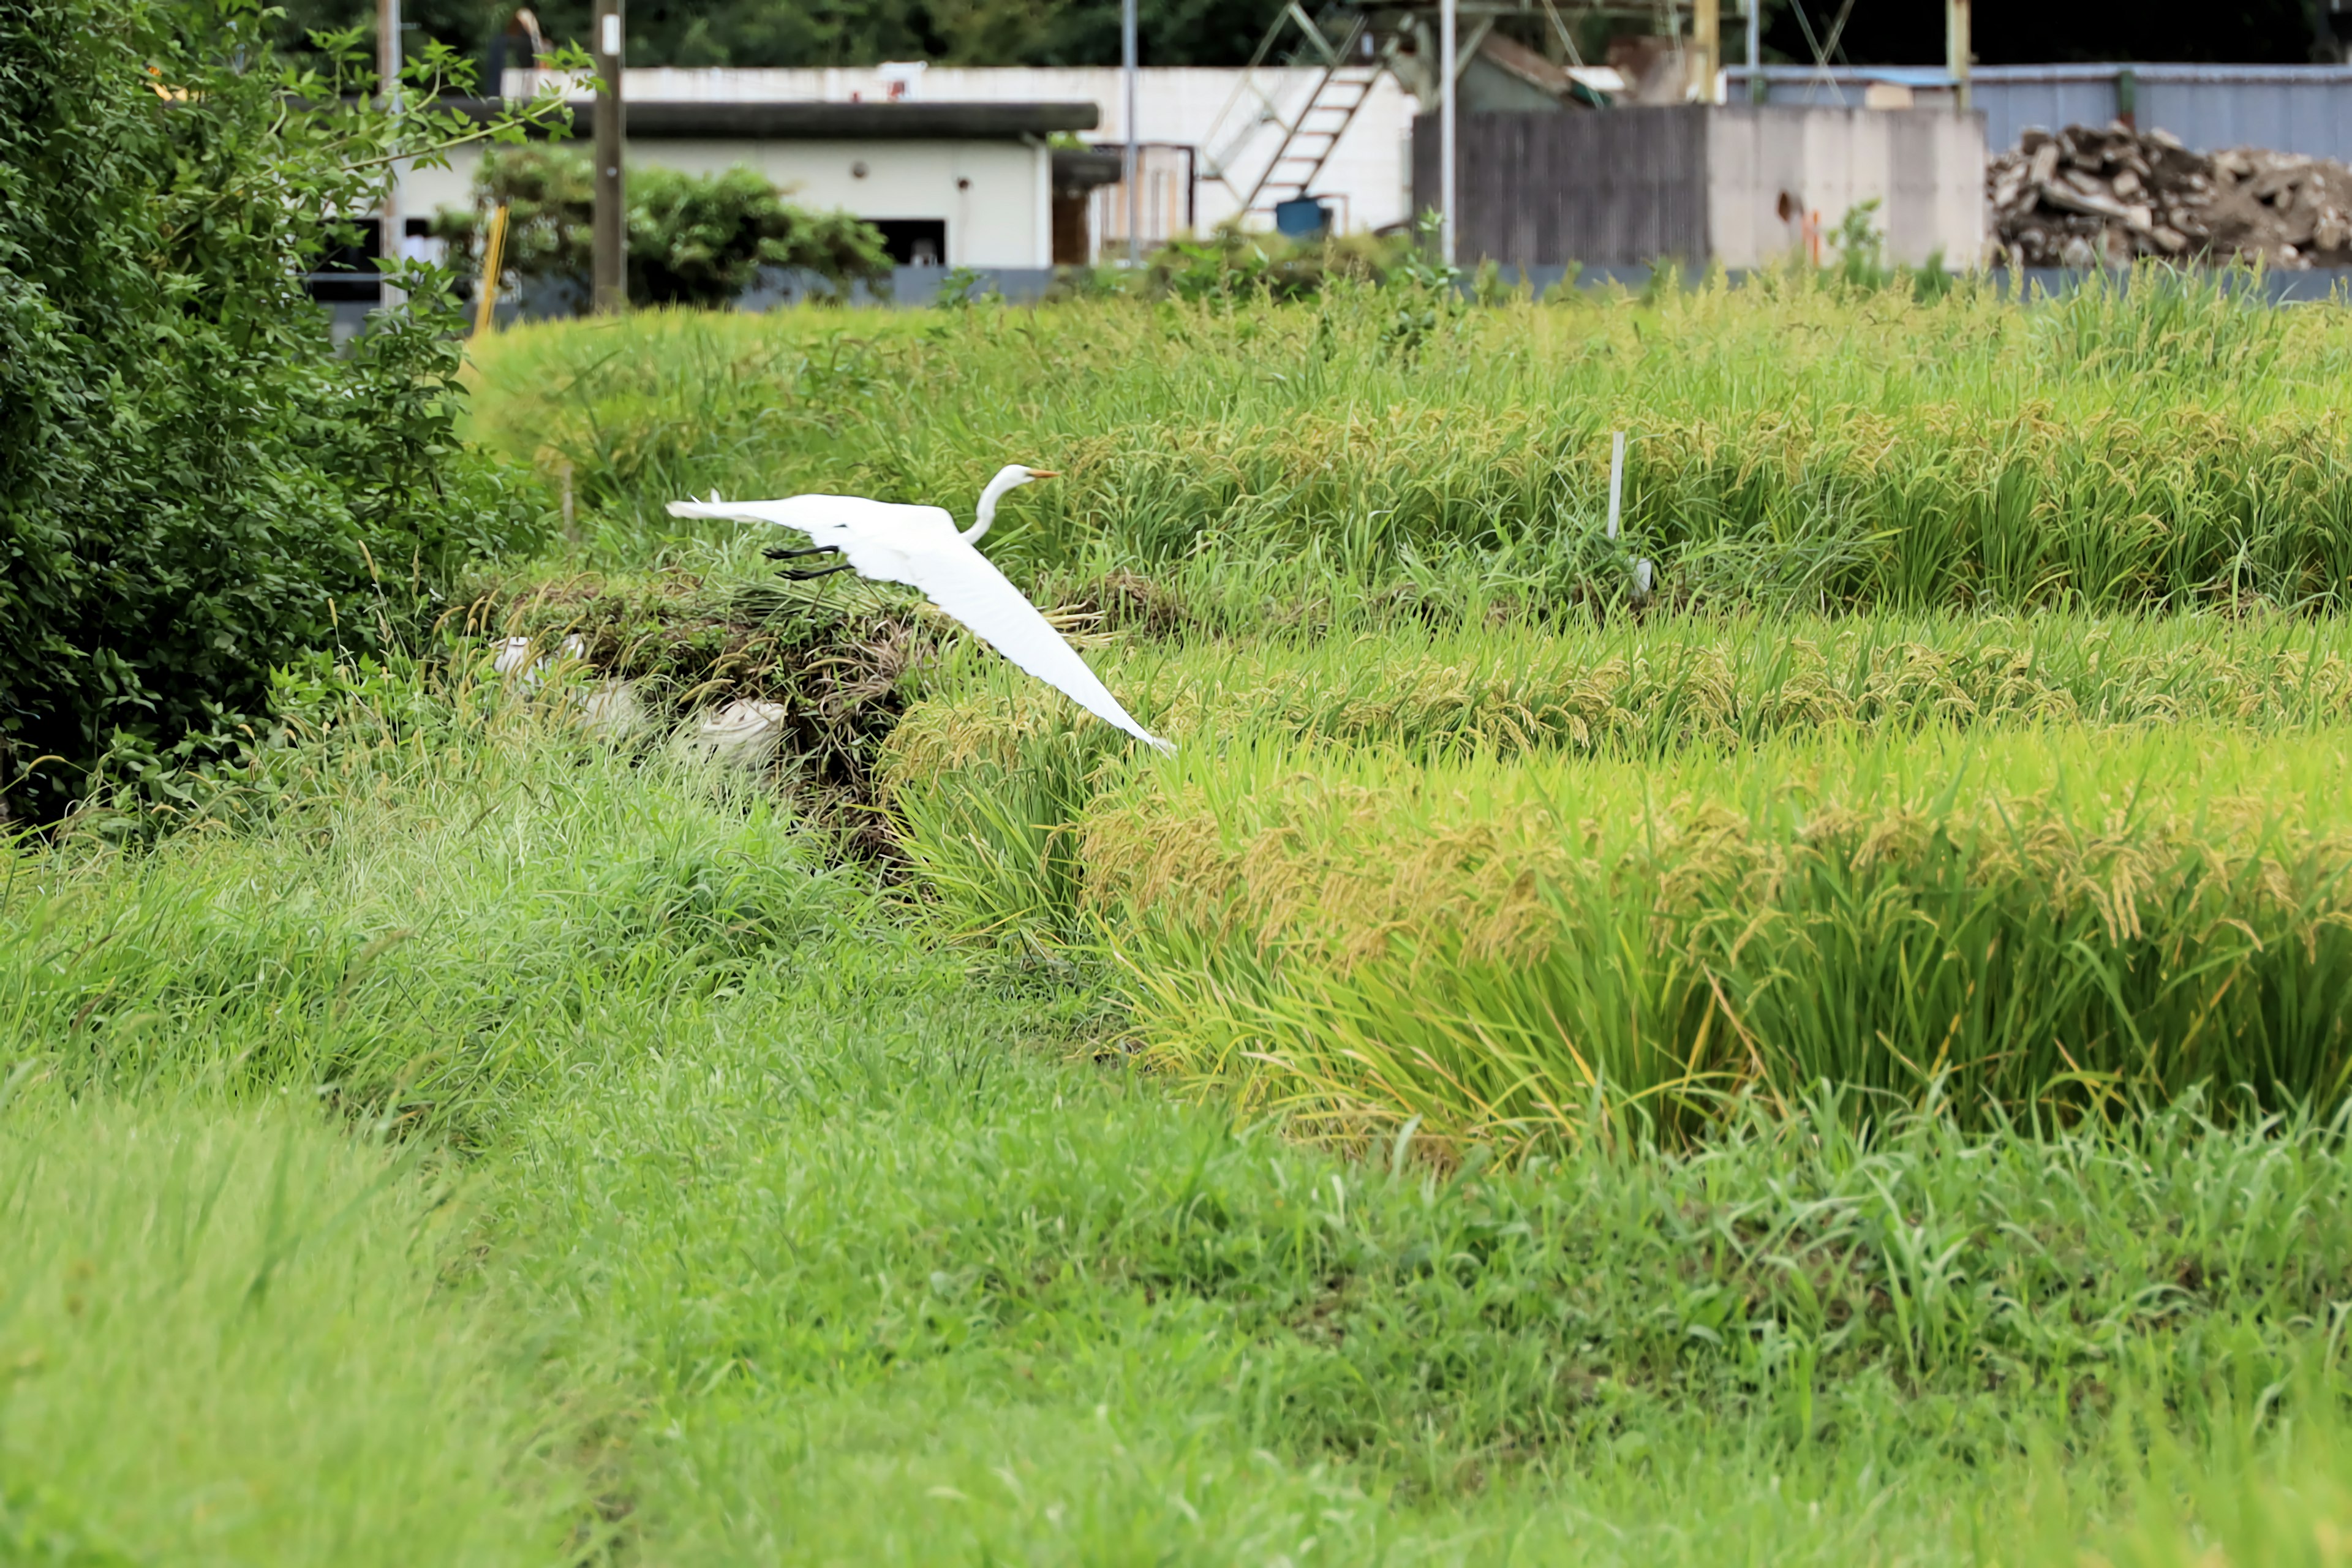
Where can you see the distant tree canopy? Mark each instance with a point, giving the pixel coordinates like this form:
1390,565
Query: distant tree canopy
846,32
1223,32
2022,32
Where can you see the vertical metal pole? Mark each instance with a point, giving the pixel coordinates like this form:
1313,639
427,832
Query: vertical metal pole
1957,50
1758,92
612,285
1445,71
1707,39
387,65
1127,174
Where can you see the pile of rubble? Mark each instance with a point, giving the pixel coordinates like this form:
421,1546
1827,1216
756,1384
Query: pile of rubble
2088,197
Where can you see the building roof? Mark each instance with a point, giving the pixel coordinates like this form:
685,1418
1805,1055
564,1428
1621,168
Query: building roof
806,121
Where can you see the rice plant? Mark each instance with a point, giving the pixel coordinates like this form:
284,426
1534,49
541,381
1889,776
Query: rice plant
2166,445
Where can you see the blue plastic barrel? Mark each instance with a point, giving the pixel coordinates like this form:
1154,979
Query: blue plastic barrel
1301,218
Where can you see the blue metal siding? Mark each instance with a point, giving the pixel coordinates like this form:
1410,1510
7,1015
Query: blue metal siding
2011,106
2290,109
2309,117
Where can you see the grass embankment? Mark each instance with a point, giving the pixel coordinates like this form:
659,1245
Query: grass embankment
459,1138
1791,444
777,1236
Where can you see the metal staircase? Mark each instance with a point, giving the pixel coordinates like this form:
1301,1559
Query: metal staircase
1351,68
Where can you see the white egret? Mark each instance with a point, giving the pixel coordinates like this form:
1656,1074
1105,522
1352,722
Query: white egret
918,546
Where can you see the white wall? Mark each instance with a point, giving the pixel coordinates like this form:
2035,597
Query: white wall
1001,216
995,197
1924,167
1370,171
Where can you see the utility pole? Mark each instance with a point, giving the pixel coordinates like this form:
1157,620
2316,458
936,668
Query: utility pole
1129,172
1445,70
612,282
1757,90
1706,45
1957,50
387,66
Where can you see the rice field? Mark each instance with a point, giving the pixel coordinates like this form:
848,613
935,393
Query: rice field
1791,444
1840,1057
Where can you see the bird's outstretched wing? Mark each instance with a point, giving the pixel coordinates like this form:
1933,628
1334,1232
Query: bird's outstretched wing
825,519
962,582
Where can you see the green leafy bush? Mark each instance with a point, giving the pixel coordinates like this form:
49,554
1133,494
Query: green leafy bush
694,239
194,486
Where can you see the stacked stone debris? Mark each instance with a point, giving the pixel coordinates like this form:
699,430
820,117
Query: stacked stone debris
2088,197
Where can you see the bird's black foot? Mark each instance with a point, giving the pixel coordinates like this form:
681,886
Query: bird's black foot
821,572
779,553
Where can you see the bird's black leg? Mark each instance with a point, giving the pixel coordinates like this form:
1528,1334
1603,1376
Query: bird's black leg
781,555
804,576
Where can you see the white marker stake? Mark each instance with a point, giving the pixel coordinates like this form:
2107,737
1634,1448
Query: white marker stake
1616,477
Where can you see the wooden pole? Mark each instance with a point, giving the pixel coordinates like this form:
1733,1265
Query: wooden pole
611,293
1707,46
494,258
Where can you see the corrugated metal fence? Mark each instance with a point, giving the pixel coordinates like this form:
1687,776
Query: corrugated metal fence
1624,185
2293,109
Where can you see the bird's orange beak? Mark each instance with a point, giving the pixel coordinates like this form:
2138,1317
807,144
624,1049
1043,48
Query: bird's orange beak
1044,473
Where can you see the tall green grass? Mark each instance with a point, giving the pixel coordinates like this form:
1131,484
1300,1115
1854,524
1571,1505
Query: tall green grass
229,1336
1533,951
739,1236
409,914
1790,445
1527,886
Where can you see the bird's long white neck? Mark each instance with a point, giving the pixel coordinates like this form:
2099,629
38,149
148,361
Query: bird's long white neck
1002,483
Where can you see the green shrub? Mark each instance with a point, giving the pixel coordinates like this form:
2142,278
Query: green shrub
694,239
194,486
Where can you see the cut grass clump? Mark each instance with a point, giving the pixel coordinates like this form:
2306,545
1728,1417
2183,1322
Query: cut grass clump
839,660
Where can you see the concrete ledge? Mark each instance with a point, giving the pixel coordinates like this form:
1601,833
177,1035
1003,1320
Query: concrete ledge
824,121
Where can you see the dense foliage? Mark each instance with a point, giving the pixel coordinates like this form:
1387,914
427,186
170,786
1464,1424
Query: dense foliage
194,486
1223,32
694,239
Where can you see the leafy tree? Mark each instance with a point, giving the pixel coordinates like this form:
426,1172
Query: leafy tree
693,239
193,485
1223,32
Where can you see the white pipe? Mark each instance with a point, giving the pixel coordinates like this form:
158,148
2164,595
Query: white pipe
1445,42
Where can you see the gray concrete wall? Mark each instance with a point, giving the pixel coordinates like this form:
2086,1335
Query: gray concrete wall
1624,187
1924,167
1609,187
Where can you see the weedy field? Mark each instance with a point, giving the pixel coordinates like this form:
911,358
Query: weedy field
1835,1059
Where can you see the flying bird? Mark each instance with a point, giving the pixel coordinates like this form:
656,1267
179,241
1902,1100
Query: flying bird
918,546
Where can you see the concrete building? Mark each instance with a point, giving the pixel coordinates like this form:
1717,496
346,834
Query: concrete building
1207,134
952,184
